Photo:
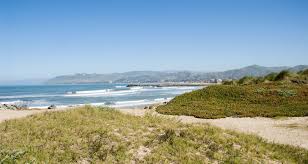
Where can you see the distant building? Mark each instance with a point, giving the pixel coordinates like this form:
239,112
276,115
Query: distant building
218,80
214,81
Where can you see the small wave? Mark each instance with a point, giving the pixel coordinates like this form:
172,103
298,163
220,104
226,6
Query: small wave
162,99
31,103
12,102
98,93
136,88
133,103
117,104
182,88
120,86
93,91
26,96
130,102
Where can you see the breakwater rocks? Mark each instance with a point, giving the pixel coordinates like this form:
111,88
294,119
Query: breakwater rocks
170,84
11,107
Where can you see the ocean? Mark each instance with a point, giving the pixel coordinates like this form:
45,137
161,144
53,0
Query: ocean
112,95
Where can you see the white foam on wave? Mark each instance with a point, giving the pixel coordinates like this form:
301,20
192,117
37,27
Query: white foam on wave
136,88
120,86
11,102
133,103
93,91
131,90
31,103
163,99
182,88
98,93
172,88
26,96
117,104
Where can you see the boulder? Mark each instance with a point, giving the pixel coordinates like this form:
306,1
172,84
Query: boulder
52,106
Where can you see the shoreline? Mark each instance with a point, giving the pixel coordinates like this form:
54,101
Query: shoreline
134,104
16,114
171,84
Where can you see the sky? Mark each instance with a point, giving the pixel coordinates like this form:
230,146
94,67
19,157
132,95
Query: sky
42,39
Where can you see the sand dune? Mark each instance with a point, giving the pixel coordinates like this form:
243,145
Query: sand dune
288,130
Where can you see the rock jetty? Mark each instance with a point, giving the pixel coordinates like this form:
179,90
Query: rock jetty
11,107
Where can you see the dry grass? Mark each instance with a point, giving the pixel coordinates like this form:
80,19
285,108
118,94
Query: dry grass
100,135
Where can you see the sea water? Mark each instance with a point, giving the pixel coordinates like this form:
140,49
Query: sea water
113,95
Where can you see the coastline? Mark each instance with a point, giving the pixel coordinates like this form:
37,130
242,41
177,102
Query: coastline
132,108
171,84
113,95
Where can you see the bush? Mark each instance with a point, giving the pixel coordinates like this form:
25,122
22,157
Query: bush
271,76
247,80
304,72
283,75
229,82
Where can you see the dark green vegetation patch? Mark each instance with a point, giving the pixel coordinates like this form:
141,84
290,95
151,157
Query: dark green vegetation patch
264,99
276,94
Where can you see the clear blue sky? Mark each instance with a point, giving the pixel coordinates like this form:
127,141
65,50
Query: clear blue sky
42,38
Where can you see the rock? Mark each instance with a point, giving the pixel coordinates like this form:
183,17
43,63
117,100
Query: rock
52,106
9,107
146,107
150,107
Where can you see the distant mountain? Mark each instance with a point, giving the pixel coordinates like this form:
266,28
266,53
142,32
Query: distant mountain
170,76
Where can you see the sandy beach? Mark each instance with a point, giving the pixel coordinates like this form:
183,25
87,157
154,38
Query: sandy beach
15,114
286,130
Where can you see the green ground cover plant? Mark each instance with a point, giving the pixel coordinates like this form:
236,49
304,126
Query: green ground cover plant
255,100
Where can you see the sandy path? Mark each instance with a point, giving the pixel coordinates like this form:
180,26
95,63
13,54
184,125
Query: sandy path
13,114
289,130
292,130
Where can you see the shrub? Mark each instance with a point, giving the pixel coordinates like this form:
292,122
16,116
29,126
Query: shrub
247,80
271,76
304,72
229,82
283,75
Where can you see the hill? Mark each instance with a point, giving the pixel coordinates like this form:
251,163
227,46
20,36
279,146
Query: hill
168,76
260,100
100,135
276,94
